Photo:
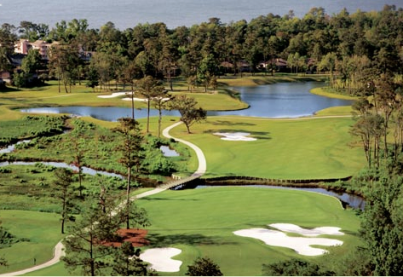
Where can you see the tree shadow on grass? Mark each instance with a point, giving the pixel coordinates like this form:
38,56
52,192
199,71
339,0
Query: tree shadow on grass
157,240
167,199
230,123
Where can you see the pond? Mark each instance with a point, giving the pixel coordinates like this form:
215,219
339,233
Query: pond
282,100
168,152
278,100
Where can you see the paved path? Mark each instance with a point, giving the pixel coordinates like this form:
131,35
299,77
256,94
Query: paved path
59,251
200,156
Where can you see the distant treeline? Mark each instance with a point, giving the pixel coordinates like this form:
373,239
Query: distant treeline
358,46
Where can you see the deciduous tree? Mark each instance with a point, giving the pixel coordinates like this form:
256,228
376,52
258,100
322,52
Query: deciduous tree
187,107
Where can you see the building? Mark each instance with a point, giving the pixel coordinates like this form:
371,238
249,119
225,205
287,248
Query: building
23,46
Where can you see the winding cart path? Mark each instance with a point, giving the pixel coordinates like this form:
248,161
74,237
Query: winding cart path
59,248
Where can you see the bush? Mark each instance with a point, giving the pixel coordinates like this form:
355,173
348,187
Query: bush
204,267
295,267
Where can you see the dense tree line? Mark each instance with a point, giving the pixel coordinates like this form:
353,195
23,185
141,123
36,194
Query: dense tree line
358,45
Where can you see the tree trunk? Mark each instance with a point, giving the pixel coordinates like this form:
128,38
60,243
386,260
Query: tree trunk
148,114
187,127
159,121
91,255
129,173
80,177
132,101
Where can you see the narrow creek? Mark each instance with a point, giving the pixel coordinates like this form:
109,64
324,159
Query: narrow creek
86,170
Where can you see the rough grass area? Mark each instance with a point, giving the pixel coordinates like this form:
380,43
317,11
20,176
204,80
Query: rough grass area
201,222
306,148
30,127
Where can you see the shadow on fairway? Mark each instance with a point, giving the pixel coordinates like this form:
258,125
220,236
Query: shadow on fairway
229,123
8,89
167,199
157,240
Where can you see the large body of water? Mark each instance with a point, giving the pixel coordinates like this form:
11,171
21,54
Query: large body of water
129,13
280,100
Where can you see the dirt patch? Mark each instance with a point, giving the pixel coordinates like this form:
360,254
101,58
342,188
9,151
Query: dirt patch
135,236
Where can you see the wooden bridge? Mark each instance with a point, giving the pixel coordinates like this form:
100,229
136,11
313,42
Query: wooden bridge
180,183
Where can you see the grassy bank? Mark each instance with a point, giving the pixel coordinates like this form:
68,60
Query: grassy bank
327,92
258,80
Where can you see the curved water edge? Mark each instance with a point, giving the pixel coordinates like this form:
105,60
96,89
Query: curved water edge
168,152
279,100
347,199
351,200
11,148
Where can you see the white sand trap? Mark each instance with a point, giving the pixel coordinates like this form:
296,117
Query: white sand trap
300,244
292,228
141,99
113,95
160,259
235,136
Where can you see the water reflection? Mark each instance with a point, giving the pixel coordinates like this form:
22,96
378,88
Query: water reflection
282,100
168,152
278,100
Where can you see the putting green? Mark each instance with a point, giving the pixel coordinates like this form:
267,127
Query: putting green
201,222
305,148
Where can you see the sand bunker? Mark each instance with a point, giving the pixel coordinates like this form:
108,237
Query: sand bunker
160,259
113,95
301,245
235,136
141,99
292,228
117,94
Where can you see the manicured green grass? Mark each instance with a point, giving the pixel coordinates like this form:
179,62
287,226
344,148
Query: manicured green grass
201,222
335,111
43,231
309,148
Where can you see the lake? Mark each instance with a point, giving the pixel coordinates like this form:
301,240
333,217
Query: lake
128,13
280,100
